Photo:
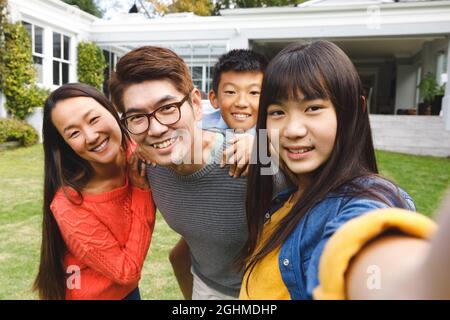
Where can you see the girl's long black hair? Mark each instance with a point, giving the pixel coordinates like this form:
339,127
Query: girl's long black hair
317,70
63,167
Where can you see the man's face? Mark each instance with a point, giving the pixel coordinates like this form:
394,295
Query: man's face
238,98
170,144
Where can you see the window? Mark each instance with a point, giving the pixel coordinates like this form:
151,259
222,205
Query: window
197,77
418,79
111,60
201,76
201,57
441,73
37,46
61,58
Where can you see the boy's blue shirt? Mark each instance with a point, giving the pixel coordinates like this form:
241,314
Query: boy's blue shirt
300,254
212,119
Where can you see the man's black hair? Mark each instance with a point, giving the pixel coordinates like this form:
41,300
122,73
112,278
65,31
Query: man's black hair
240,60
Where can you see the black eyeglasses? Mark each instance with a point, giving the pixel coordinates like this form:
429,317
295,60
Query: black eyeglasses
166,115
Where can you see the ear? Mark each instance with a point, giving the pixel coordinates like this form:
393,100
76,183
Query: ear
196,98
213,99
363,103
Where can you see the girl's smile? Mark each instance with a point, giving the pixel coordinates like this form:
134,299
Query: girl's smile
298,152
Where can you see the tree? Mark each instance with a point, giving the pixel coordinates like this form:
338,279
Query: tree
3,21
198,7
2,14
229,4
88,6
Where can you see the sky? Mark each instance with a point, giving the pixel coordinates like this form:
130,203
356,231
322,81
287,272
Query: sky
114,7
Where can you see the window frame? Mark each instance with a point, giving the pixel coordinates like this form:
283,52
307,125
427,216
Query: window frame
61,60
34,53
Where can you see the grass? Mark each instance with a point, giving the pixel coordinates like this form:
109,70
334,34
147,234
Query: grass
21,172
424,178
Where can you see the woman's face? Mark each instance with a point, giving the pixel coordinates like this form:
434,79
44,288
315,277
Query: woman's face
306,130
89,129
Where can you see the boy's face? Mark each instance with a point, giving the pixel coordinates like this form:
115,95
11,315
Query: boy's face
238,98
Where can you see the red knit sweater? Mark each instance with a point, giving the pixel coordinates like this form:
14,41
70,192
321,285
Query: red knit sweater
107,238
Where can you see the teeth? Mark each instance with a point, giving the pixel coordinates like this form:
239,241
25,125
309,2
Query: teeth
303,150
101,146
241,115
163,144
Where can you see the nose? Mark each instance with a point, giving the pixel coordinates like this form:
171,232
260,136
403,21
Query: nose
91,136
242,101
156,129
295,128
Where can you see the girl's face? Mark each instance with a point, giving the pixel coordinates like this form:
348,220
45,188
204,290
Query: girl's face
89,129
306,132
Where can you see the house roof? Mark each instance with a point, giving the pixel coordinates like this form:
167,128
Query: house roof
328,5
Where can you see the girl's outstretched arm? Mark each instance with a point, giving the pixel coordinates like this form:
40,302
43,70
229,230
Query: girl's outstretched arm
396,266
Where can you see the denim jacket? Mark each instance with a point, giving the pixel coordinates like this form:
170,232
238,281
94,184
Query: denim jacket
300,253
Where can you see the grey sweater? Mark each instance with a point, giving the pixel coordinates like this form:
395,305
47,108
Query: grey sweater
207,208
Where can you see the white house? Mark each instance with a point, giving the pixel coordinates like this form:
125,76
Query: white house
393,44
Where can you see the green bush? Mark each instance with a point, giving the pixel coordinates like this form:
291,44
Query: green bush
3,22
429,88
91,64
17,130
27,98
18,81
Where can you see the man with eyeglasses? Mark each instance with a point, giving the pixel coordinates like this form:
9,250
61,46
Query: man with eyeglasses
153,89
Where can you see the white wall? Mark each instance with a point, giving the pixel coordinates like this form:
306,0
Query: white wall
446,99
406,87
3,112
35,120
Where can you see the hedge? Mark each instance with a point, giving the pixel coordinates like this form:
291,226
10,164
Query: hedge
91,64
17,130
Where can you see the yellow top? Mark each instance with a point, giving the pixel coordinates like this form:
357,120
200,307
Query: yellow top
351,238
265,280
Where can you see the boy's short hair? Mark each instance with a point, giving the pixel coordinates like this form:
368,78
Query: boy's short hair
239,60
149,63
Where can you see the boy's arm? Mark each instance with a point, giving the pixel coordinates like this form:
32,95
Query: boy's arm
238,154
180,259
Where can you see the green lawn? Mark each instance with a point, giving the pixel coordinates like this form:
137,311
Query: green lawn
21,172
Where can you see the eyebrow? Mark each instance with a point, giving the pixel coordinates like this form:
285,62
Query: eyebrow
86,115
283,105
276,103
248,86
161,101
